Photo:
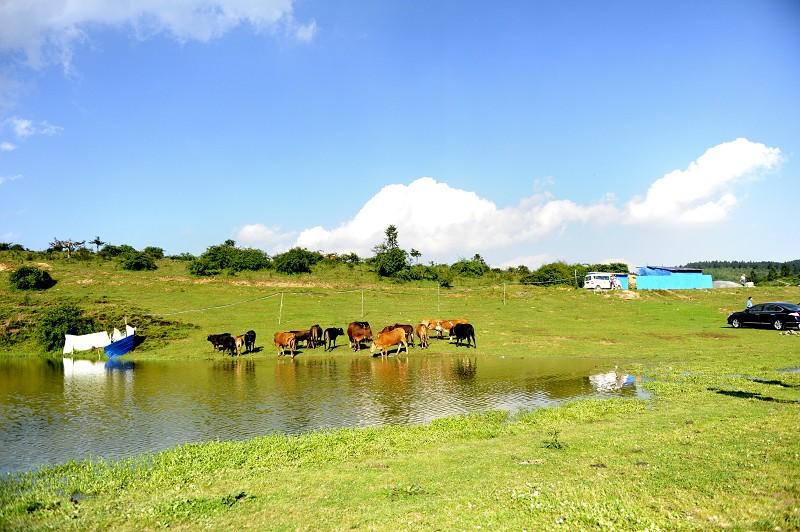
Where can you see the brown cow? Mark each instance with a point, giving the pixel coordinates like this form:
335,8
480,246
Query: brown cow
422,334
446,325
303,336
358,331
387,339
407,328
284,340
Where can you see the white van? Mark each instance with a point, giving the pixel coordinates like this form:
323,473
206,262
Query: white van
598,280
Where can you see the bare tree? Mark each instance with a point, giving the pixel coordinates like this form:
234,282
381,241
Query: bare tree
97,242
68,245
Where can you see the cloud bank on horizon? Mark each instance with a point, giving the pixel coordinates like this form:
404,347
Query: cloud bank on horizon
438,219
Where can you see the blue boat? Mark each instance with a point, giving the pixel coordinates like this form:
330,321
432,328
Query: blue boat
122,344
120,347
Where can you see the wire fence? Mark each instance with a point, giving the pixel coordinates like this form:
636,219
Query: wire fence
408,303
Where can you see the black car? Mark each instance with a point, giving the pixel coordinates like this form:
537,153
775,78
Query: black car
776,315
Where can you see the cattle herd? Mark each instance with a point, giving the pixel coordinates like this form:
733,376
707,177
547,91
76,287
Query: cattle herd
398,334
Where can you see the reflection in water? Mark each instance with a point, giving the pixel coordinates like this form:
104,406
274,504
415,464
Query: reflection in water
53,411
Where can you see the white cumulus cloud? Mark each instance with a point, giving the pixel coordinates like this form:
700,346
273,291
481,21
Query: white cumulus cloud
260,236
705,191
7,146
45,31
438,220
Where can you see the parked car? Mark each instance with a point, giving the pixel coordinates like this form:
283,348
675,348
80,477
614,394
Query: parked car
778,315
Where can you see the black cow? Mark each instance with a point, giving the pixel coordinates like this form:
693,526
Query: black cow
217,339
249,340
229,344
330,335
316,335
464,331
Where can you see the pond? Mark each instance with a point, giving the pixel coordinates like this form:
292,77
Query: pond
52,411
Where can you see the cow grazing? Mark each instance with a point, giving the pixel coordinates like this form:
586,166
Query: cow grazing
284,340
250,341
464,331
329,337
358,331
303,336
389,338
407,328
217,339
316,335
422,335
239,343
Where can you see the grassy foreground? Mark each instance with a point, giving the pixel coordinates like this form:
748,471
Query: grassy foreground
716,447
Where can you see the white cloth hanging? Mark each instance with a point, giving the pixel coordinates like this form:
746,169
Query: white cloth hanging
85,342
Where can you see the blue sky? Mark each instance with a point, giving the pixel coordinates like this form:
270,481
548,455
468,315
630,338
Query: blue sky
651,132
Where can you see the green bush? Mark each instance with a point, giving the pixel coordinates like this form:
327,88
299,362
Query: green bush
418,272
138,262
474,267
156,253
61,320
390,262
550,274
203,268
30,278
184,257
110,250
296,260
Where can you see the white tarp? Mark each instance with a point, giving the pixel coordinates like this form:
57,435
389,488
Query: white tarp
85,342
116,335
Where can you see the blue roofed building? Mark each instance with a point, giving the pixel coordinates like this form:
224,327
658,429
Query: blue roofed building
669,278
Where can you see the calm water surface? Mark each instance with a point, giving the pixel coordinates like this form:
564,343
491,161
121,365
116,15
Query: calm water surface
52,411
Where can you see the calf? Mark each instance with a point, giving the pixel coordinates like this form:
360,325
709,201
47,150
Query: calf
239,343
358,331
464,331
250,341
422,335
284,340
387,339
316,335
329,337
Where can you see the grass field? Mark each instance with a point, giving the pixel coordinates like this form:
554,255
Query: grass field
716,446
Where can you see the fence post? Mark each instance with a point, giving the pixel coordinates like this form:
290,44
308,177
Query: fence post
280,310
438,309
504,293
362,303
576,278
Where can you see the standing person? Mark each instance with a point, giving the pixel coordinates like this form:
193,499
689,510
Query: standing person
743,279
749,302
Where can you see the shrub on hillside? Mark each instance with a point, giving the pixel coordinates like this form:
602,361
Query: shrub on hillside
30,278
296,260
474,267
550,274
138,262
110,250
203,268
156,253
61,320
418,272
390,262
183,256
